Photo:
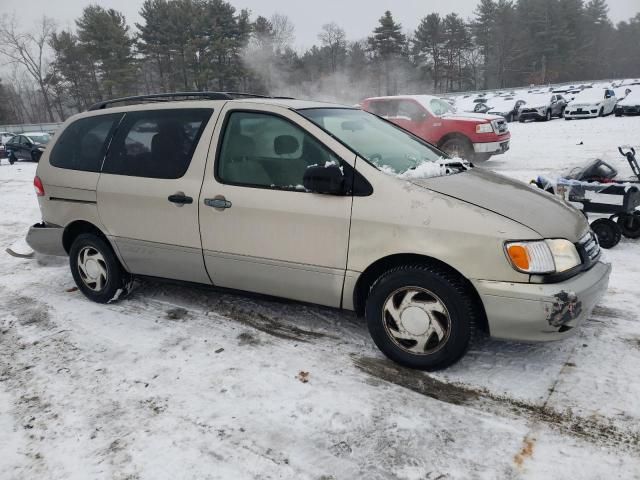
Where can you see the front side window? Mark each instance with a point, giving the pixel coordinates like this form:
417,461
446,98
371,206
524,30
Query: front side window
383,144
440,107
83,144
263,150
156,143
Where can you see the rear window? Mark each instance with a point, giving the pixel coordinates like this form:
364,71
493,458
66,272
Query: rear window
83,144
156,143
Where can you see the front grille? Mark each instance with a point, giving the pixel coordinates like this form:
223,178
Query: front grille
589,248
529,110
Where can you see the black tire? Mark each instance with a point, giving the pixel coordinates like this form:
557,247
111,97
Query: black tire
436,284
630,225
521,120
562,112
12,158
607,231
601,112
548,116
618,114
35,156
117,279
458,147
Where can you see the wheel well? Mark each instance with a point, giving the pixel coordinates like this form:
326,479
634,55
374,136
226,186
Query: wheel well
376,269
76,228
454,136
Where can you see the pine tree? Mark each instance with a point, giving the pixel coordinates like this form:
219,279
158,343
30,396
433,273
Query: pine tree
388,44
428,43
483,28
104,35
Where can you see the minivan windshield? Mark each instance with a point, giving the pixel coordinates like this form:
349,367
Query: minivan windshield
386,146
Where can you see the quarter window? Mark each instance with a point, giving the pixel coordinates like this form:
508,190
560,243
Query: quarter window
156,143
83,144
263,150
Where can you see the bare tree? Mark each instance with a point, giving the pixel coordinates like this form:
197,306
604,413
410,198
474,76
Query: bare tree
283,31
29,51
334,39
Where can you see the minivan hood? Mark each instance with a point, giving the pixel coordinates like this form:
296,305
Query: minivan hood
546,214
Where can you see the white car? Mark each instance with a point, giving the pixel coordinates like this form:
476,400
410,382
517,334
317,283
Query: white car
590,103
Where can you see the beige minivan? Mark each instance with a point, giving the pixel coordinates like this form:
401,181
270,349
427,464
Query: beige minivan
319,203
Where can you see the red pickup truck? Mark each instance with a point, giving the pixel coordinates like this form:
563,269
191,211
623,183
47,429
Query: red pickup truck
472,136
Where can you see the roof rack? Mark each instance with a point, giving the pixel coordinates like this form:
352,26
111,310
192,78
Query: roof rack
167,97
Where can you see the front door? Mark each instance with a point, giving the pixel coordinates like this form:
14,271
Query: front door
261,230
148,191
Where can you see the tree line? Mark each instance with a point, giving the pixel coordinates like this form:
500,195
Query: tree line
198,45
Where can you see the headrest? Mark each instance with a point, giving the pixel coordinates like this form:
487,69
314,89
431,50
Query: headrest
285,145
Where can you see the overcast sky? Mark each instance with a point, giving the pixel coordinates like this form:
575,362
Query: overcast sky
357,17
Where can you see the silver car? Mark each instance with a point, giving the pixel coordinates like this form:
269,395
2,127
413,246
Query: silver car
319,203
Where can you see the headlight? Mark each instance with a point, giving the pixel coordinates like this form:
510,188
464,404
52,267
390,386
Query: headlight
543,256
484,128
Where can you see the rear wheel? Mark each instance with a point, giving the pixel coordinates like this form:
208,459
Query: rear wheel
607,231
630,224
458,148
96,270
421,317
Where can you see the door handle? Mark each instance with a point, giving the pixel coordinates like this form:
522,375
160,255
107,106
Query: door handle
180,199
218,202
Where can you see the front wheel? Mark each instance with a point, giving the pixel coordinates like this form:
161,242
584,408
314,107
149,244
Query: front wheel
607,231
458,148
601,112
421,317
548,116
96,270
12,158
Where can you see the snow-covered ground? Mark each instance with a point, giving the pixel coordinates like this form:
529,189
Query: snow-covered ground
183,382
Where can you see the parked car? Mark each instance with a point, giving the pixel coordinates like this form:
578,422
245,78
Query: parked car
318,203
591,103
471,136
27,146
542,107
629,105
507,107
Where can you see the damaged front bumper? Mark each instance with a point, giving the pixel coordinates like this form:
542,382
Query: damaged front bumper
542,312
46,238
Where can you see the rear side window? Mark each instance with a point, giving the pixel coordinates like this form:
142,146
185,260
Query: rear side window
156,143
83,144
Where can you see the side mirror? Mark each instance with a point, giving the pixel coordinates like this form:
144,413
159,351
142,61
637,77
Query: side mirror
327,180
